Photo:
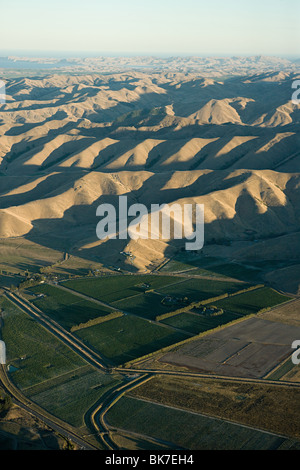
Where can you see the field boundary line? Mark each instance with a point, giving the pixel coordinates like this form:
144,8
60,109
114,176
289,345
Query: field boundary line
213,417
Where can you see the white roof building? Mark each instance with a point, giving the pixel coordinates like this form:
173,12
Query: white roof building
2,352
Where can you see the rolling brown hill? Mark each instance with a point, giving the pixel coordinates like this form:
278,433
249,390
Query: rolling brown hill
69,143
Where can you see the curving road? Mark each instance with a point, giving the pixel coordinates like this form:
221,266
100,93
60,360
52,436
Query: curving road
32,408
97,415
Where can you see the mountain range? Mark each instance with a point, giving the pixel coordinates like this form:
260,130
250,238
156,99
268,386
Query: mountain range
229,140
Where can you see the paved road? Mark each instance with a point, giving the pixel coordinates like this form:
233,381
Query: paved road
98,415
23,402
73,342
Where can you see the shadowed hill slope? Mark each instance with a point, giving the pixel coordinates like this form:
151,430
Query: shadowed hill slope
70,143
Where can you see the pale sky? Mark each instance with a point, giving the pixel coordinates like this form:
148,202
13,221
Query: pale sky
157,27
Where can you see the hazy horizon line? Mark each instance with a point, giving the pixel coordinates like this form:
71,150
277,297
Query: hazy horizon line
94,54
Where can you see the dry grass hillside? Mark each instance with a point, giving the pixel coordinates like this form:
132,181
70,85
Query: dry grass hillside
72,142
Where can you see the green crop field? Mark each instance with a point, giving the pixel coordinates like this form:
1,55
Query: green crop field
197,323
201,289
66,308
72,396
237,271
185,429
118,287
252,301
35,354
129,293
258,405
174,266
215,267
128,337
221,270
207,273
146,305
199,261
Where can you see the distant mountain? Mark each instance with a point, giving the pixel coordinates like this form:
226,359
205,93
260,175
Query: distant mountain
206,66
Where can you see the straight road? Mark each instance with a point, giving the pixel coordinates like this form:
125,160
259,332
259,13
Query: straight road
98,415
56,329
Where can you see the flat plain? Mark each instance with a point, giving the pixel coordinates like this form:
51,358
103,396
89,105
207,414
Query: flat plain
189,430
251,348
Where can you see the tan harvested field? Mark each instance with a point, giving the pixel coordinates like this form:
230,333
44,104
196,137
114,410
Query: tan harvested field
286,279
251,348
288,314
262,406
19,255
293,375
